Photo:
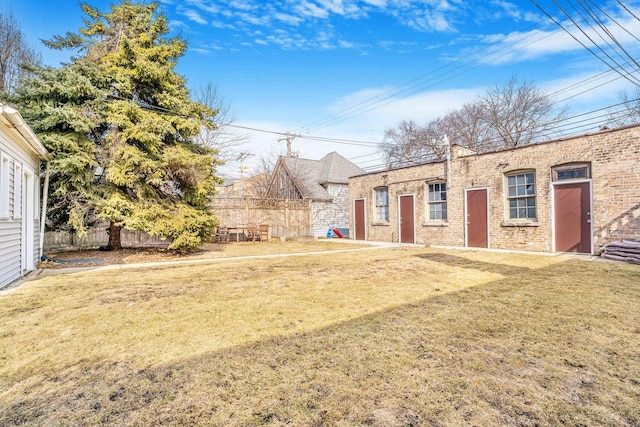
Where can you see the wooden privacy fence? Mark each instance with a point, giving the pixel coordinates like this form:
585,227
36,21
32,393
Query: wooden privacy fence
98,236
286,217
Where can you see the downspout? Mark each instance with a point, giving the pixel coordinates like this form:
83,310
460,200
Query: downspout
43,215
448,147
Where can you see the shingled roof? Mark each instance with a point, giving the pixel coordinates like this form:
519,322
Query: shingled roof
311,175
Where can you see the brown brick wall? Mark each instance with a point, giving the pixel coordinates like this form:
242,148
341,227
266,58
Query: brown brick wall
615,168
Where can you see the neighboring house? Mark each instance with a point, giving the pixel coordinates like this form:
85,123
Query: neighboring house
568,195
324,183
20,216
252,186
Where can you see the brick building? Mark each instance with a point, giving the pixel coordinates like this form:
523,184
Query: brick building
568,195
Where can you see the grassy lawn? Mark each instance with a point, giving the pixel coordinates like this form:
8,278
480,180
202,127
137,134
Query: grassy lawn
390,337
206,252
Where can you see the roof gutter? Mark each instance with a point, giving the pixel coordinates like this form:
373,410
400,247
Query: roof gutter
16,120
43,215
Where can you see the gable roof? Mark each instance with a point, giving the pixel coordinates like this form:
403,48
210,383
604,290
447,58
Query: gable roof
310,175
337,170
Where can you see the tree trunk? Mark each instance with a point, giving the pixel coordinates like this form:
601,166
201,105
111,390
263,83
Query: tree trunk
114,236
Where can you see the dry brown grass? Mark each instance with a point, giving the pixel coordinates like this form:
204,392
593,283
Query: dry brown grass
403,336
88,257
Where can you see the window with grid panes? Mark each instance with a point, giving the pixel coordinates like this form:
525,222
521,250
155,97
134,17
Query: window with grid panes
521,195
438,202
382,204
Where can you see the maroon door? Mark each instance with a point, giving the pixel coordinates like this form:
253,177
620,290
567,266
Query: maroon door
359,219
407,226
572,218
477,230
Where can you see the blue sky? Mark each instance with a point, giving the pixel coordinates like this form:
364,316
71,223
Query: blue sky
348,69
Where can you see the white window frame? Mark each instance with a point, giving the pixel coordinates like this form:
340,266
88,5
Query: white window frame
5,178
36,192
436,202
525,196
377,206
17,190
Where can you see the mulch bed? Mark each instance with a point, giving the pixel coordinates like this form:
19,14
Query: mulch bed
95,257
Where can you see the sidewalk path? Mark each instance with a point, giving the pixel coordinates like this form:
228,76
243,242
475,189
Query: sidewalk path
44,272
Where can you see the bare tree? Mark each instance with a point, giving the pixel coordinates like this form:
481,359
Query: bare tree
468,128
410,143
629,110
221,138
519,113
262,174
15,53
508,115
435,132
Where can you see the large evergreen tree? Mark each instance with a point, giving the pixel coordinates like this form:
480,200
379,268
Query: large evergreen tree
120,123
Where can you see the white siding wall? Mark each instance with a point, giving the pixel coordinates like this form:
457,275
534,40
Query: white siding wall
11,264
9,251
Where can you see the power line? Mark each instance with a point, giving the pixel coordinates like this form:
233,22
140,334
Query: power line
625,8
626,74
594,16
415,85
411,87
310,137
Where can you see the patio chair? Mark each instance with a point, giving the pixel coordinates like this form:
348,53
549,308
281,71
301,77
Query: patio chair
251,232
263,232
222,235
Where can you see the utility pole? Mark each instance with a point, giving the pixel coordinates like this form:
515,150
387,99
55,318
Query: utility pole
243,168
289,138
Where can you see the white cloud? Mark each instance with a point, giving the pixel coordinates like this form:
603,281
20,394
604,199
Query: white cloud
208,7
588,90
253,19
334,6
288,18
534,44
308,9
242,5
377,3
431,21
389,110
345,44
174,23
287,41
507,8
200,50
223,25
192,15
